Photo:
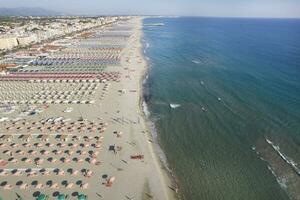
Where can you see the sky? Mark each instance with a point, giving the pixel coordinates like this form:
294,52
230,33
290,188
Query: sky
218,8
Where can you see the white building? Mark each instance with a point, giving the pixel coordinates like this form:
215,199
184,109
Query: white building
8,42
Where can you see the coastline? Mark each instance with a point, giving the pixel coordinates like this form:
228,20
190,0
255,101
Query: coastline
168,179
97,124
159,154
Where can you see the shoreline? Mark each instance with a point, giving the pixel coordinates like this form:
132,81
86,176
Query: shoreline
160,156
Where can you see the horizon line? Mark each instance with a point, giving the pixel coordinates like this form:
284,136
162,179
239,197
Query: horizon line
60,13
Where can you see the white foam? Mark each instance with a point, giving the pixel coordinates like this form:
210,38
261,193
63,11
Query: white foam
145,109
174,105
147,45
196,61
288,160
162,156
280,181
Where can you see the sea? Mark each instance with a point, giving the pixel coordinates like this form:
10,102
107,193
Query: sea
223,95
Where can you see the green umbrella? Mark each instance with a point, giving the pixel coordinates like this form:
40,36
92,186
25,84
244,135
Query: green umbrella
61,197
82,197
41,197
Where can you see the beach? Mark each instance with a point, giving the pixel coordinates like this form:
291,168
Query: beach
89,138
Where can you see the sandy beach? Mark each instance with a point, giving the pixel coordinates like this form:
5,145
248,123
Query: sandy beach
97,142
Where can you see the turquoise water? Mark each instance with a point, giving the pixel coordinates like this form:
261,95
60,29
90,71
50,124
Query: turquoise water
236,133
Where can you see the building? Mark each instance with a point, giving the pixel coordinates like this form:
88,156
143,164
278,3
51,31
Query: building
7,43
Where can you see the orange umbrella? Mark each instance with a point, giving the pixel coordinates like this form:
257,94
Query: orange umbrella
69,185
3,173
24,186
39,144
54,186
32,152
14,145
8,187
110,181
61,173
3,145
89,173
7,152
14,161
27,145
27,160
39,186
75,172
17,173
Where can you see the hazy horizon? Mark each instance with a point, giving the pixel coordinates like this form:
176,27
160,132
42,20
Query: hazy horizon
212,8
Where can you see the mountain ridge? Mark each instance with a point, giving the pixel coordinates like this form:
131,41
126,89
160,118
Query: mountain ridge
27,11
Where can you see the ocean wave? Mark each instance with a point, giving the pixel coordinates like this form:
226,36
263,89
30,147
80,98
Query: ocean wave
288,160
147,45
145,79
153,131
196,62
280,181
146,110
172,105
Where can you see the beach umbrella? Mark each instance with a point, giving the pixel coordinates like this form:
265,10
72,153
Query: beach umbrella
3,145
62,197
61,173
14,160
42,197
8,187
7,152
27,145
52,160
39,144
45,152
69,185
84,186
39,186
88,173
24,186
50,144
32,152
17,173
75,172
81,197
54,186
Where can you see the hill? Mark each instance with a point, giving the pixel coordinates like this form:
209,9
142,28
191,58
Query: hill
27,11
